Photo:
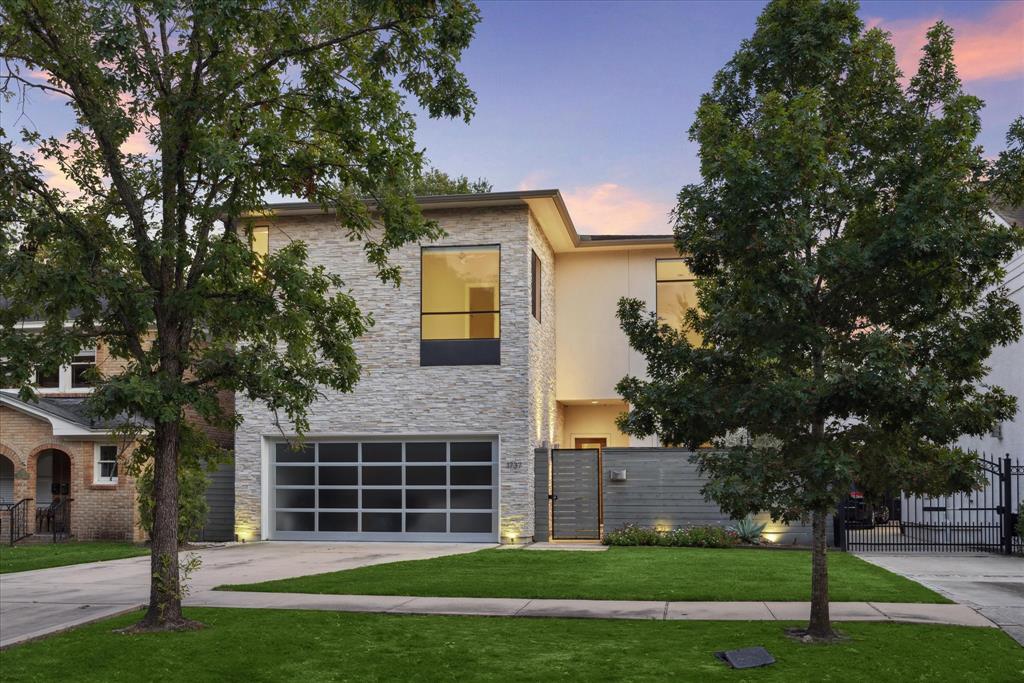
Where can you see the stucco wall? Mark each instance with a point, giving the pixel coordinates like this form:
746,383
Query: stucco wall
593,353
397,396
593,421
1007,371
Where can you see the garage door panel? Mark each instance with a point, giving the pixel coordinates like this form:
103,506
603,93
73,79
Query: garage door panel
426,475
339,452
382,475
429,490
295,476
339,521
344,475
347,499
426,451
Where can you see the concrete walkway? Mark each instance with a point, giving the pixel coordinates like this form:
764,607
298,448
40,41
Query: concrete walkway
37,603
991,584
596,609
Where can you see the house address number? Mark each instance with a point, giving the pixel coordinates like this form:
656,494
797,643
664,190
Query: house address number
513,465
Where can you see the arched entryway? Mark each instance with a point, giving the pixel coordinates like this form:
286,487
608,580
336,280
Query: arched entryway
6,479
53,476
52,486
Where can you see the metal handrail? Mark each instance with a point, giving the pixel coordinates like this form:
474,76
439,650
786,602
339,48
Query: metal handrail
18,517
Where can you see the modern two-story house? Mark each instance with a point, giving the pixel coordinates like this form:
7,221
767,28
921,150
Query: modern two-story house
501,340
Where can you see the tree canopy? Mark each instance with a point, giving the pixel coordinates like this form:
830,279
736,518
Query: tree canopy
436,182
848,276
188,113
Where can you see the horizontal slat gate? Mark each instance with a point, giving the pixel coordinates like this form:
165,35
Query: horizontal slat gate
576,494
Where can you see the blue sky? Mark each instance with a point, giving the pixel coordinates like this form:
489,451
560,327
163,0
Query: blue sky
595,98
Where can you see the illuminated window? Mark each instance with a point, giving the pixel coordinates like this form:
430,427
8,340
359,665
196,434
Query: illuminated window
261,241
460,302
676,294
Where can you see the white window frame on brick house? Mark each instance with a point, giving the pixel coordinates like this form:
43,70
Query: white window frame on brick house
99,461
66,379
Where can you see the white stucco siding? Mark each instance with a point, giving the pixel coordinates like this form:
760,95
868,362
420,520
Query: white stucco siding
592,353
1007,371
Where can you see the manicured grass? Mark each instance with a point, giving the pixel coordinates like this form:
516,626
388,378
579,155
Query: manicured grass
283,645
616,574
25,558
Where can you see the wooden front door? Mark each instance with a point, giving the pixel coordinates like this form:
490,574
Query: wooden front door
591,442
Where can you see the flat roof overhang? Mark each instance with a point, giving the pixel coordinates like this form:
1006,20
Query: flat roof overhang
547,206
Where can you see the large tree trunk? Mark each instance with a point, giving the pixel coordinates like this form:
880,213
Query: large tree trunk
165,589
820,625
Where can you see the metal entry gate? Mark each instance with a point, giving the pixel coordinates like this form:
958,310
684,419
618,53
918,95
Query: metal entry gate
576,494
979,521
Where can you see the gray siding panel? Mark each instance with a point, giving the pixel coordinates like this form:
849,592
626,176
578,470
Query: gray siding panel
220,497
662,488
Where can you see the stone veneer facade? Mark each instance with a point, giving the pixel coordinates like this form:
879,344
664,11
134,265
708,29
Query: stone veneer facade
395,395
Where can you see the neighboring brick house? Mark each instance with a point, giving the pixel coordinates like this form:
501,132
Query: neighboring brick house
52,450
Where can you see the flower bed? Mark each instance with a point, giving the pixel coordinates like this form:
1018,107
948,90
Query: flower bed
683,537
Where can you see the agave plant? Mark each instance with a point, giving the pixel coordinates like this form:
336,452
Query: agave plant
748,531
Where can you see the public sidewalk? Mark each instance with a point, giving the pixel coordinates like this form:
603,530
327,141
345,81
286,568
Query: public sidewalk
596,609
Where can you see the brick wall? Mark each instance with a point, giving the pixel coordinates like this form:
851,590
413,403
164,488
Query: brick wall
98,511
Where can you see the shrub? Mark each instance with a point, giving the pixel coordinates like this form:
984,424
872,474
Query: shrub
192,506
749,531
682,537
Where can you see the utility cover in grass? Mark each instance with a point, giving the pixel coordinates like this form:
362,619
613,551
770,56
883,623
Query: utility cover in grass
746,658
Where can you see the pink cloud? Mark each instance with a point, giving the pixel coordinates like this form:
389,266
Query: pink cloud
989,47
55,177
611,209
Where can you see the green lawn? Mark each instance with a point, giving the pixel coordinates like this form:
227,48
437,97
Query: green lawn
25,558
284,645
616,574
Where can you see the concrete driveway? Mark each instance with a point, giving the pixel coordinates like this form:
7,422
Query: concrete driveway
36,603
991,584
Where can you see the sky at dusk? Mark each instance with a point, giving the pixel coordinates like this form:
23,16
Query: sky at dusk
595,98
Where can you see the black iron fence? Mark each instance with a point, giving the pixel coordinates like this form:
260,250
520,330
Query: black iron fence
985,520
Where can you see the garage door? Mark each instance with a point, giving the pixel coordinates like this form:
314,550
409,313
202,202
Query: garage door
386,490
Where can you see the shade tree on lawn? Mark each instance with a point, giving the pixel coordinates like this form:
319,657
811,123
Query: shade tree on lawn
847,272
187,114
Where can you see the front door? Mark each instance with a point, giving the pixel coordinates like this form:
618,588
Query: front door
591,442
576,493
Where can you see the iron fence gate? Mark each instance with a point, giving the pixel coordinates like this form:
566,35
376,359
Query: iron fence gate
980,521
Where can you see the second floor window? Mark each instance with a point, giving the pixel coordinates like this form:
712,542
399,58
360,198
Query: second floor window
68,377
261,243
80,366
460,303
676,294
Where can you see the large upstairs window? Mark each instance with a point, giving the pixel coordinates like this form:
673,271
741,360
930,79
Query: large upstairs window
460,306
676,294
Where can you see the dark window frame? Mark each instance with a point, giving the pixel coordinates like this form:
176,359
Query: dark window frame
657,282
536,285
439,352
